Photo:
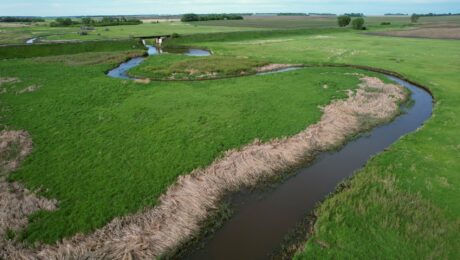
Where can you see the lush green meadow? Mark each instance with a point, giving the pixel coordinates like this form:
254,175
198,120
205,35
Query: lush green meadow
107,147
178,67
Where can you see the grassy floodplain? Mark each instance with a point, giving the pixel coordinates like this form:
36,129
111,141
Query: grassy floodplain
107,147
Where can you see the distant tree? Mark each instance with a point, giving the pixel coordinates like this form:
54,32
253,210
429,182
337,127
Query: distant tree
87,21
358,23
62,22
354,14
9,19
343,20
414,18
190,18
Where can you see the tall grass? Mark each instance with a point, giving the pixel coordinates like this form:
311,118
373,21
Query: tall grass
40,50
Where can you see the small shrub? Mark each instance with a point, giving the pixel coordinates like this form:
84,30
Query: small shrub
343,20
414,18
358,23
385,23
175,35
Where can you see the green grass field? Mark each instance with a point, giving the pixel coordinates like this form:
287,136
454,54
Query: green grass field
178,67
106,147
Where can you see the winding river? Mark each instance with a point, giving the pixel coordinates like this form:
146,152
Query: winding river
262,219
121,72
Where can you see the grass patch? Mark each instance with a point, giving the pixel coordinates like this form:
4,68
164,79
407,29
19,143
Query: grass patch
246,35
178,67
374,206
90,58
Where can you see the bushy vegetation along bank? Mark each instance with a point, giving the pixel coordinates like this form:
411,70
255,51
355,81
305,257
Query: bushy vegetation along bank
39,50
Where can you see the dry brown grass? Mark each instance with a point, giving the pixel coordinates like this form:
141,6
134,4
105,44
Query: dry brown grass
274,66
162,20
447,32
8,80
142,81
16,202
193,197
28,89
91,58
13,25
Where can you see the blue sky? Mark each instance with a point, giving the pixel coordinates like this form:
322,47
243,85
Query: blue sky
92,7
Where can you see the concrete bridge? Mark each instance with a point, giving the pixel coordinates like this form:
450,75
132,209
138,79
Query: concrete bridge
159,39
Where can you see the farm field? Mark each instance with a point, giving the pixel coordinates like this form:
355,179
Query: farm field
106,148
296,22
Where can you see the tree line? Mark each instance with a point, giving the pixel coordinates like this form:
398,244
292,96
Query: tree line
11,19
87,21
354,14
210,17
433,14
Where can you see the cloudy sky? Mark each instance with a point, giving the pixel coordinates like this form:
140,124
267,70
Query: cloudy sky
94,7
